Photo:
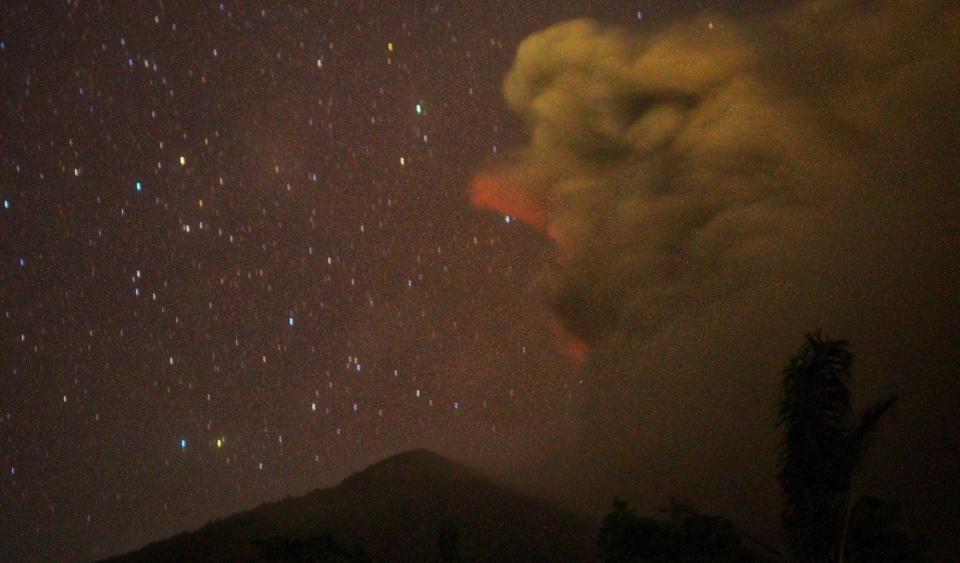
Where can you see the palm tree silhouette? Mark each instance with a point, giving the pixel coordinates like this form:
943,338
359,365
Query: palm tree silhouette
821,449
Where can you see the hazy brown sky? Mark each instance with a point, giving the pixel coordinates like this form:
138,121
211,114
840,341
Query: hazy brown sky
721,186
238,258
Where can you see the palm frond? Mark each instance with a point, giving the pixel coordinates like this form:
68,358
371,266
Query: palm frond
869,419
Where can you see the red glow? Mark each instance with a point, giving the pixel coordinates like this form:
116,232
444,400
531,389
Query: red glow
576,350
490,192
571,347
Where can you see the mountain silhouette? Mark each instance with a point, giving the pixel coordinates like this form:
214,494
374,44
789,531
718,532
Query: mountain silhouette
414,506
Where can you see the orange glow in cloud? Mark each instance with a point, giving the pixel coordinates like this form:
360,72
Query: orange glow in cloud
571,347
576,350
490,192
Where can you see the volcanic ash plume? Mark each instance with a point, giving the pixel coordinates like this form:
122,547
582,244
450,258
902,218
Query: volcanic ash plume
715,159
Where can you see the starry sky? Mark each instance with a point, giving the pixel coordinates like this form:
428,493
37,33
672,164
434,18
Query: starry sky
239,262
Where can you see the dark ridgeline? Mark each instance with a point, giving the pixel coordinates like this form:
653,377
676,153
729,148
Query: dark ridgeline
419,506
415,506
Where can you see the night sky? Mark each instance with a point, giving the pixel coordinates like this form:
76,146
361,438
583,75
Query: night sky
239,261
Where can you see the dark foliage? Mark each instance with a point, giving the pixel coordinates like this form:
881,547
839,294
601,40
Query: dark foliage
319,549
874,535
687,537
448,543
820,448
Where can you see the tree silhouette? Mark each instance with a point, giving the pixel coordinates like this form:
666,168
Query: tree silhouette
820,448
448,543
687,536
875,537
317,549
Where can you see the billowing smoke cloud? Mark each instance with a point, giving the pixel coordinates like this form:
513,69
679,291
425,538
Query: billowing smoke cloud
677,169
720,187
